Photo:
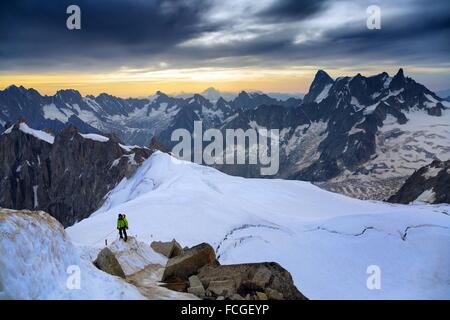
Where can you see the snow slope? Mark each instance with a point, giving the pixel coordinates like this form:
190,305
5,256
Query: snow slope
37,261
327,241
42,135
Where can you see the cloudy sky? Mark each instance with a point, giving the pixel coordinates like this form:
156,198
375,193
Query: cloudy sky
133,48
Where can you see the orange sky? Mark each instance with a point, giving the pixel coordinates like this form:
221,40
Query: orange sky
145,82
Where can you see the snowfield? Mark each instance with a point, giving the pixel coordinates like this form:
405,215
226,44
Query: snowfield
325,240
37,261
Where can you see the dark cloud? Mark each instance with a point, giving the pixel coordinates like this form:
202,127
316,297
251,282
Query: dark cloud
33,34
283,10
36,30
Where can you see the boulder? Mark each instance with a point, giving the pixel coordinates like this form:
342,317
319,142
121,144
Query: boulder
196,287
251,278
169,249
224,288
236,297
261,296
199,291
107,261
189,262
273,294
194,281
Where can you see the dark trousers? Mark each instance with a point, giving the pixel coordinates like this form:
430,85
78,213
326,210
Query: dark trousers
123,233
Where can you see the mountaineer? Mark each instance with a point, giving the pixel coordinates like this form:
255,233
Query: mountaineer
122,226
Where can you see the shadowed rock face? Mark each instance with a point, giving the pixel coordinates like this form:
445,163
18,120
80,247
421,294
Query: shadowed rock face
68,178
430,184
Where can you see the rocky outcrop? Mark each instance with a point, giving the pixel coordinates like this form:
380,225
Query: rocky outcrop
186,264
66,175
224,288
169,249
429,184
250,279
196,286
196,271
107,262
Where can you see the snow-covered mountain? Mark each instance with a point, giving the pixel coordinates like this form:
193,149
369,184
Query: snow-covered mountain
212,94
360,136
329,243
429,184
134,121
67,175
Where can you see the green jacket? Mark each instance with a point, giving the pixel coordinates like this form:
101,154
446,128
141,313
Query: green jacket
122,223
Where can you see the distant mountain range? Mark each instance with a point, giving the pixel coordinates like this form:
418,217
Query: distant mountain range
361,136
213,94
134,120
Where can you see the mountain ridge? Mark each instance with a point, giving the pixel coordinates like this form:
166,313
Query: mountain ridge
344,130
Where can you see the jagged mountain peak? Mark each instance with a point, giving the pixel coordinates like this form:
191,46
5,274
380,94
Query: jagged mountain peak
319,86
161,97
221,100
400,73
104,95
14,87
243,94
160,93
321,77
21,90
199,97
69,94
398,81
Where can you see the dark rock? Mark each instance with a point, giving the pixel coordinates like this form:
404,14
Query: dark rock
196,286
180,286
431,181
156,145
261,296
107,261
252,278
68,178
273,294
189,262
169,249
224,288
321,80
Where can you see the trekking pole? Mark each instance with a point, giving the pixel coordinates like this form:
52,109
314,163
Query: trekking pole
104,237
